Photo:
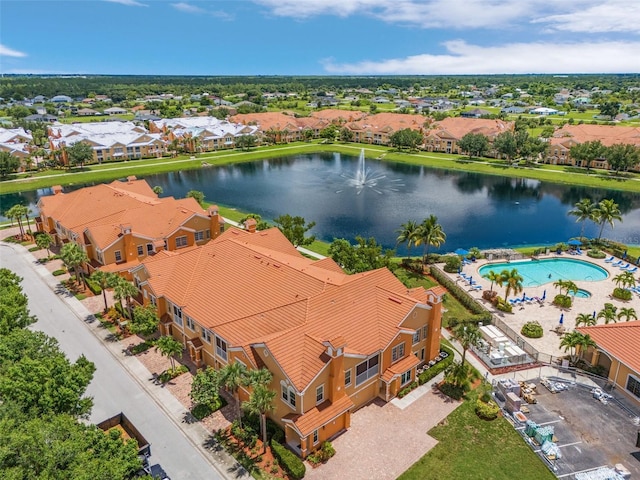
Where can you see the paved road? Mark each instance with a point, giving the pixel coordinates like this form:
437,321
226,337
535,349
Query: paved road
112,388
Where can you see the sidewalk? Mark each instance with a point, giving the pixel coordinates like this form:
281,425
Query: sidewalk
197,435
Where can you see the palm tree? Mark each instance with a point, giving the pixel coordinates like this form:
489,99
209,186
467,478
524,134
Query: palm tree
430,234
125,290
169,347
494,277
260,403
583,211
628,313
606,212
624,280
233,376
408,233
585,319
570,342
584,343
566,286
459,375
73,257
105,280
513,280
44,240
258,377
16,213
468,336
608,313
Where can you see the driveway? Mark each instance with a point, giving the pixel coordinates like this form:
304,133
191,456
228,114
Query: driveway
386,439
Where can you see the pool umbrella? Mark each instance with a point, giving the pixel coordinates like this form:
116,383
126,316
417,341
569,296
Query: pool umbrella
574,242
544,295
624,255
524,296
462,252
594,314
561,318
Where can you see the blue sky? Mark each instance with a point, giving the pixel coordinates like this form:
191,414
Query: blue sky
319,37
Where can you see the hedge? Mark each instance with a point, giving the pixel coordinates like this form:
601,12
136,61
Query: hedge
622,293
288,460
427,375
93,286
461,294
59,272
532,330
487,411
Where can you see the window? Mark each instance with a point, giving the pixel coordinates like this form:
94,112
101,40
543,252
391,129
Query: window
177,315
149,248
140,250
347,378
206,335
366,370
191,324
315,437
320,394
118,255
633,385
424,332
207,233
397,352
199,236
181,241
221,348
153,300
288,395
405,378
416,337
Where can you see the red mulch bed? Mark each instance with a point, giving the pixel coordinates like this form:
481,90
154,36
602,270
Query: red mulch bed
267,458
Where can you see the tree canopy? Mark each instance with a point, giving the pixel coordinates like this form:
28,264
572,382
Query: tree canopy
295,228
365,255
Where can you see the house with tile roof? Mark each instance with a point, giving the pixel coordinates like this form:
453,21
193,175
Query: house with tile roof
333,342
277,127
16,141
377,129
559,151
121,223
443,136
618,353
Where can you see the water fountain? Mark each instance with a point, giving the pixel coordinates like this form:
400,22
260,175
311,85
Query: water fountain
365,178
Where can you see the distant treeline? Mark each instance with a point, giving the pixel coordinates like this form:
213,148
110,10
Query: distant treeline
125,87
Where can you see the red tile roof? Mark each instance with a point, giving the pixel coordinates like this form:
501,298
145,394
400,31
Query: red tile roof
458,127
319,415
607,134
620,340
400,367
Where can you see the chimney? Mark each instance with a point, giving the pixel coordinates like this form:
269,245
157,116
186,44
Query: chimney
129,247
214,221
131,178
250,225
335,349
56,189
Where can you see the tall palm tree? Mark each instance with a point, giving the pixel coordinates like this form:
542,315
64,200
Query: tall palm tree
583,344
407,233
606,212
566,286
494,277
628,313
430,234
513,280
583,211
125,290
17,212
169,347
585,319
232,377
570,342
73,257
105,280
468,336
260,403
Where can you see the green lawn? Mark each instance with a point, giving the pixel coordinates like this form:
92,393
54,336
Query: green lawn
471,448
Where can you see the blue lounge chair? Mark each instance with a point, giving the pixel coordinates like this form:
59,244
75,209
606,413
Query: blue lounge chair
632,270
578,251
624,267
477,287
610,259
617,264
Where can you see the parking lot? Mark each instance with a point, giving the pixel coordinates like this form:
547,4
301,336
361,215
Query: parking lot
589,433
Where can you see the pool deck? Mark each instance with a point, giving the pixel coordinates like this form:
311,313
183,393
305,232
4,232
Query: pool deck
547,314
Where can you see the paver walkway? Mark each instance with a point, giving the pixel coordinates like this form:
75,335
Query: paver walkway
384,440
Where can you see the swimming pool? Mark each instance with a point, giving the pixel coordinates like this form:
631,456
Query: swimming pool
549,270
581,293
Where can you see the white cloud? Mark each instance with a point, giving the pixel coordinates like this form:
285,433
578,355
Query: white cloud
540,57
10,52
449,14
605,16
187,8
128,3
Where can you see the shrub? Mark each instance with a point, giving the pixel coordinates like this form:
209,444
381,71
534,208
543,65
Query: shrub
450,390
35,249
140,347
503,305
93,286
452,263
622,293
461,294
172,373
487,410
532,330
407,389
323,454
288,461
563,301
595,253
427,375
60,271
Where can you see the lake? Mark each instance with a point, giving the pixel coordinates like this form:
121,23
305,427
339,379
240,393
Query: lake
475,210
